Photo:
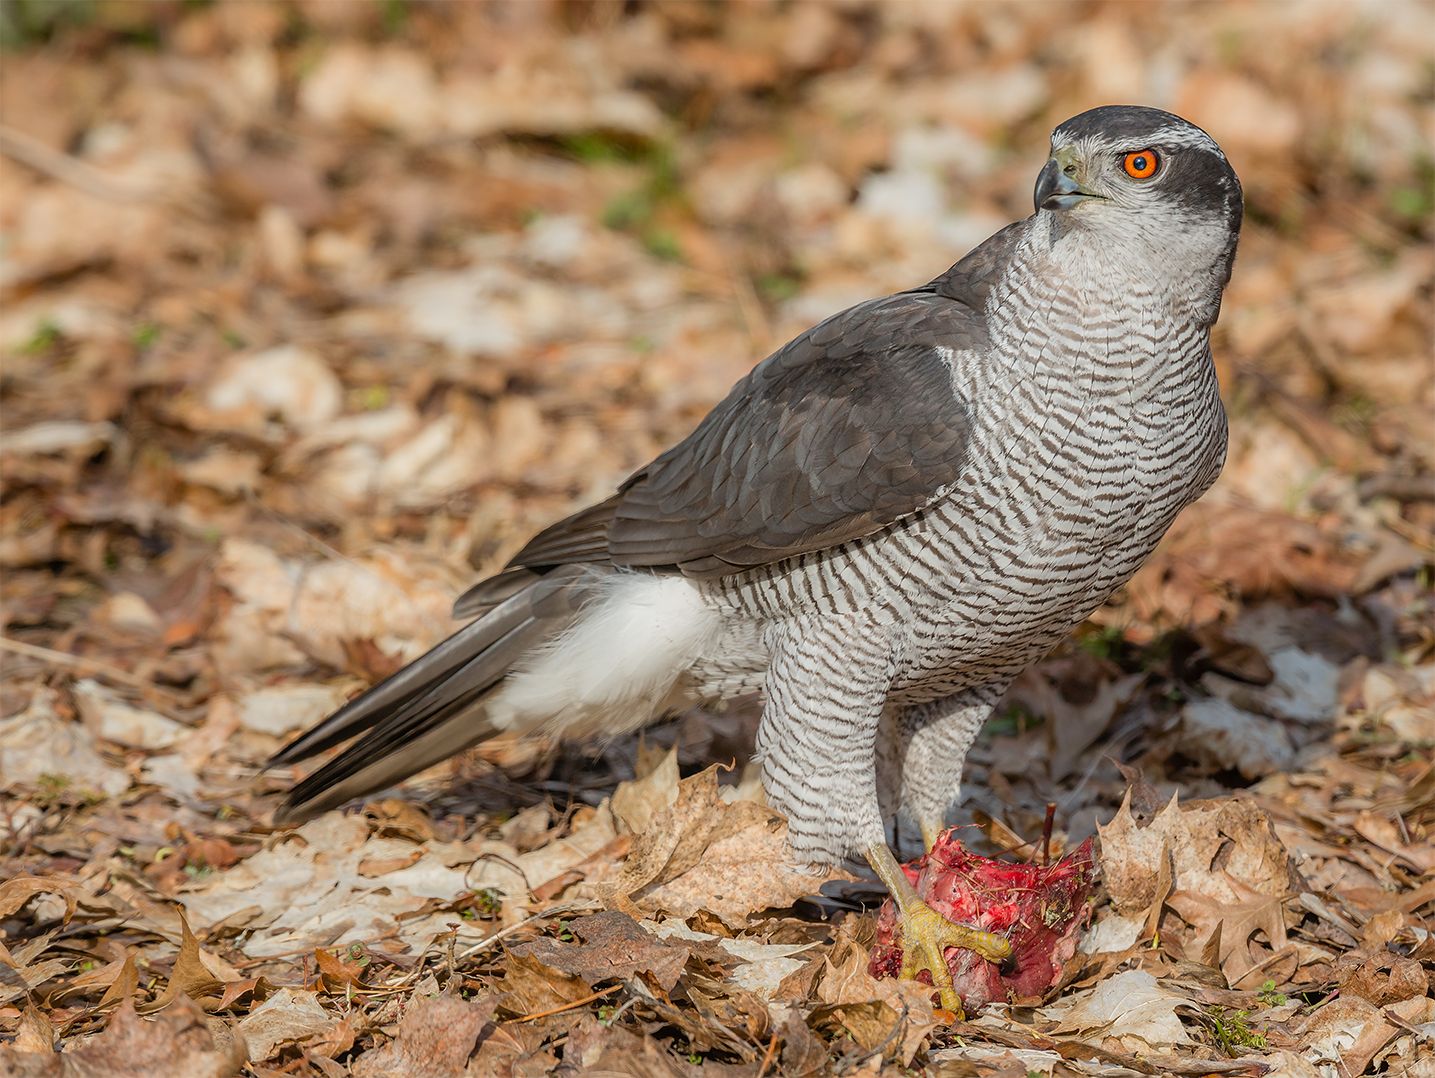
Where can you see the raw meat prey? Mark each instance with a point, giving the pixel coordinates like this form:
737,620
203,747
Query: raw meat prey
1039,908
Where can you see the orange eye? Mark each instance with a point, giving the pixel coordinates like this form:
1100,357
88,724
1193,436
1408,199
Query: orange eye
1142,164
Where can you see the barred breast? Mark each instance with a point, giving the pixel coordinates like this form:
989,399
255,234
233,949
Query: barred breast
1095,419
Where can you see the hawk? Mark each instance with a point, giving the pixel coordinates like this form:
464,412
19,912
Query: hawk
882,525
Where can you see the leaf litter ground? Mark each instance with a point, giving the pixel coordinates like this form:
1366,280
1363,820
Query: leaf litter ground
313,313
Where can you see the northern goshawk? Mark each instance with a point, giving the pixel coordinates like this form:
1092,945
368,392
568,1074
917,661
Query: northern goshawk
881,525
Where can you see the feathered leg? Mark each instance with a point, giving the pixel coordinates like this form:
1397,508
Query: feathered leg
933,740
826,688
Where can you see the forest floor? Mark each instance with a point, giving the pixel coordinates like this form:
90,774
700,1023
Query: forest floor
313,313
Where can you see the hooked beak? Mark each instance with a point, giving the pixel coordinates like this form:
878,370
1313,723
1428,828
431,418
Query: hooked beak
1056,186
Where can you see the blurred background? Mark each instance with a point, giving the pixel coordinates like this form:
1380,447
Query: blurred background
314,311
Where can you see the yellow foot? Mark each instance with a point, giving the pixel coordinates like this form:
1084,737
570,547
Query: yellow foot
926,935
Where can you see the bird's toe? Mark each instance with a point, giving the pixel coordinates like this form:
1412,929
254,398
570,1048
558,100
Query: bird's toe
926,935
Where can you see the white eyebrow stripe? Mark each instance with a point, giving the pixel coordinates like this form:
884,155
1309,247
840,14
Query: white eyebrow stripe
1180,136
1172,135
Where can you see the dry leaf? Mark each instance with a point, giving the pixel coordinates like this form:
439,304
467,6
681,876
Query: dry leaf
508,1045
703,853
614,947
180,1040
1218,735
1382,978
122,988
37,743
289,1016
1130,1008
337,975
1334,1028
867,1005
1237,922
435,1039
1211,843
189,975
533,986
634,803
1394,1021
35,1034
1073,726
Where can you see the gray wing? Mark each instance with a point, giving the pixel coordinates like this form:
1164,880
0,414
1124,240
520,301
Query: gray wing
850,427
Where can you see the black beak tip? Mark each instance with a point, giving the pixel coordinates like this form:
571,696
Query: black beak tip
1046,184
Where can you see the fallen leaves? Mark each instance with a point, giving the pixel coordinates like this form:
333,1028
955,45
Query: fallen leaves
700,852
1212,848
1229,926
271,402
1381,978
1131,1011
1220,552
286,1017
880,1014
179,1041
613,947
39,748
435,1039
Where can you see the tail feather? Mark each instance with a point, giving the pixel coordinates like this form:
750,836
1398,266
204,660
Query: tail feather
394,692
432,708
327,789
487,594
582,650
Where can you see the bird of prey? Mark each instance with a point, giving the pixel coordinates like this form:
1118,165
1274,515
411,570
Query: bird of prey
885,522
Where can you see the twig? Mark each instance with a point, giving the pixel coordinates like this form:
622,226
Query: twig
612,1019
1046,833
767,1056
502,860
114,673
566,1006
483,945
29,150
453,927
306,951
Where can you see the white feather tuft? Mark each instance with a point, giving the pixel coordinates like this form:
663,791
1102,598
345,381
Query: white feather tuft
617,665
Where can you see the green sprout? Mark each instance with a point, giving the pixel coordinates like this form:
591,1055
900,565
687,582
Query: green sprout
372,398
1013,722
663,243
777,287
1232,1030
489,901
46,335
1104,643
1269,996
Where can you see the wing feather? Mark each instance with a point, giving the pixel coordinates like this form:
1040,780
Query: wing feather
845,430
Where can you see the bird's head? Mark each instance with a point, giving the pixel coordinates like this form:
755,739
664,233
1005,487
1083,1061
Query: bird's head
1142,174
